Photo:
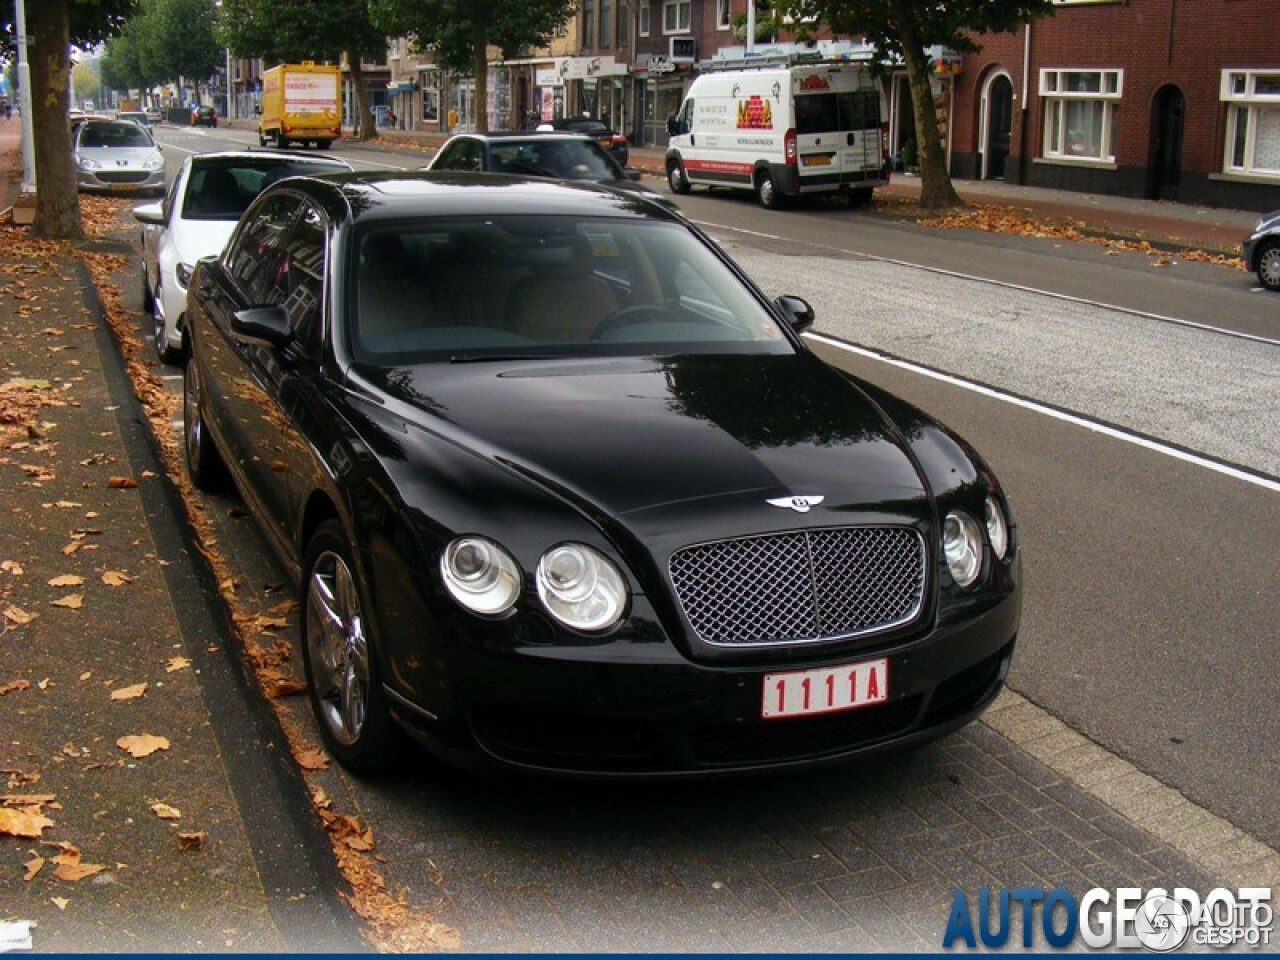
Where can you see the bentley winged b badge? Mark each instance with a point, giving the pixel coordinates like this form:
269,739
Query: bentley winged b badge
798,504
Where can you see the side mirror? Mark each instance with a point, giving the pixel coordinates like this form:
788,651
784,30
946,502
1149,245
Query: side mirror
673,128
266,325
797,312
152,214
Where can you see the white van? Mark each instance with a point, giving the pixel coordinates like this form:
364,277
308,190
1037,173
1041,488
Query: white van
785,127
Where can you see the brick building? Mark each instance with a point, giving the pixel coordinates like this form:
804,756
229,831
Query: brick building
1166,99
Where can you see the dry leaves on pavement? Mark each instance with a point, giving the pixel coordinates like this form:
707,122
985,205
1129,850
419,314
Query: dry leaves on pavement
129,693
142,745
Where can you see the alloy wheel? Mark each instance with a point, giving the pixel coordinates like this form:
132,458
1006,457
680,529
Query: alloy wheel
338,648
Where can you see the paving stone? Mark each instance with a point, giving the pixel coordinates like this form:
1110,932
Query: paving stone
817,867
865,882
817,907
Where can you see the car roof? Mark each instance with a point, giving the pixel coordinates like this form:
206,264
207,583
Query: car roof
394,195
284,156
498,136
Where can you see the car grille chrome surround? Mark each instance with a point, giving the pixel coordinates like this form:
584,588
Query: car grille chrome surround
804,586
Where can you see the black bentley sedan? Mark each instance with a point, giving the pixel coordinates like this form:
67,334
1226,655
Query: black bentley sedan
565,493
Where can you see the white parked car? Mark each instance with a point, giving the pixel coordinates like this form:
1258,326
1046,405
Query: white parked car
195,219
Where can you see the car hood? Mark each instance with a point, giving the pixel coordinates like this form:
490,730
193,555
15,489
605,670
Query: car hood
200,238
631,436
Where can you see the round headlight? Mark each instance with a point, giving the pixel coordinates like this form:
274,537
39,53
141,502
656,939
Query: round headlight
480,575
997,528
580,587
962,546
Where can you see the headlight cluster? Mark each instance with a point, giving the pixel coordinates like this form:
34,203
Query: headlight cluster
154,163
87,163
962,541
577,584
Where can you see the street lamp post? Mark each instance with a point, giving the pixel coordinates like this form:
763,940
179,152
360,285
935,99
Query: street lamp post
24,94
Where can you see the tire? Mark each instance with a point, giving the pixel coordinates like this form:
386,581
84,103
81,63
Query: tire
159,335
766,192
148,301
204,463
262,138
1269,265
859,198
677,179
324,144
339,657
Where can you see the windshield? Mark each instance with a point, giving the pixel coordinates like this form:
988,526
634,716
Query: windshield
567,158
536,286
114,135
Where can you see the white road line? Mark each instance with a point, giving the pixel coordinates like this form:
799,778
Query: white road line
1267,483
1162,318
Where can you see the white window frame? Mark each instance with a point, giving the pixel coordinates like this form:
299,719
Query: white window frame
724,14
1247,104
1055,144
677,6
642,19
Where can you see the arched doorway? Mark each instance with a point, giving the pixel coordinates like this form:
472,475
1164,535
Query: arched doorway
1165,170
997,123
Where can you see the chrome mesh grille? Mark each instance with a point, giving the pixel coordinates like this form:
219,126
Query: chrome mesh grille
800,587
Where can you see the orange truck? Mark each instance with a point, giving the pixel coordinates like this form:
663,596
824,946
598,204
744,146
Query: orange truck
301,103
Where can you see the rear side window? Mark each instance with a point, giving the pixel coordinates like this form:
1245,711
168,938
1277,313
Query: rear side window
816,113
255,259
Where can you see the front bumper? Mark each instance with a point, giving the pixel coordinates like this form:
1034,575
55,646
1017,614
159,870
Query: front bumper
644,710
121,181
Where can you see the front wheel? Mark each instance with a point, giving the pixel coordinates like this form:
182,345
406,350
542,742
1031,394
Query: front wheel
204,464
677,179
339,657
160,335
148,301
1269,265
262,139
766,192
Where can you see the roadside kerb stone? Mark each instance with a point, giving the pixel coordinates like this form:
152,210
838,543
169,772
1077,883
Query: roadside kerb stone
1216,845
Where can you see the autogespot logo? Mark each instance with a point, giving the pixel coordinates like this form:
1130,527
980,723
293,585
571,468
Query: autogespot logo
1128,918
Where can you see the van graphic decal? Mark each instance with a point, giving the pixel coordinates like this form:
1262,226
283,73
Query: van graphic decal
754,113
815,81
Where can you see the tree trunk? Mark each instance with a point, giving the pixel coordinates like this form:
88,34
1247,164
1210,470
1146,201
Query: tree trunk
57,204
936,190
480,67
364,122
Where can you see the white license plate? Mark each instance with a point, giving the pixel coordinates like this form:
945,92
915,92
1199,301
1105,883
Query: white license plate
825,690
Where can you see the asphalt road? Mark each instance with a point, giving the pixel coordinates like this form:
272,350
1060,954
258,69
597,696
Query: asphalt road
1150,620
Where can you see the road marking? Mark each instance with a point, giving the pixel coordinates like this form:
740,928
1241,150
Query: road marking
1215,844
1108,430
1160,317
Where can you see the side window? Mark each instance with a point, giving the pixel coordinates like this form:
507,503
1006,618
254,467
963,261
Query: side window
255,259
461,155
170,198
684,119
302,276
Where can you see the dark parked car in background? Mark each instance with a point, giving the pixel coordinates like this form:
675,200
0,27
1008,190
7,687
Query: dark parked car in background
1262,250
204,117
566,493
563,156
597,130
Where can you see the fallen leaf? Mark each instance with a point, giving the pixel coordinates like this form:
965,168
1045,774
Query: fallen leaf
142,745
176,663
192,841
114,578
72,601
60,902
129,693
12,566
32,867
121,483
312,758
75,872
18,615
67,580
23,823
165,812
13,686
67,504
86,675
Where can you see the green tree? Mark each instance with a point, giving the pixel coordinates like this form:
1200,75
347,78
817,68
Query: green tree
84,83
287,31
53,25
460,31
905,29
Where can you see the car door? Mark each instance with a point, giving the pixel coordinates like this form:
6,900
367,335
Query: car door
154,237
287,379
250,276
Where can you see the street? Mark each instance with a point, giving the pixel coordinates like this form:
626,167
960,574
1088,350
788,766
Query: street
1130,412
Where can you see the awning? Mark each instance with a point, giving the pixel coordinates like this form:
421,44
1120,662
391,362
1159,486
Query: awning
401,86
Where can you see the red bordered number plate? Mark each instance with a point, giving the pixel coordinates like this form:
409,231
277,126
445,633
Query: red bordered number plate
825,690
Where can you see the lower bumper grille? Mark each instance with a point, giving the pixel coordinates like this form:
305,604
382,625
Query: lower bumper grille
126,176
